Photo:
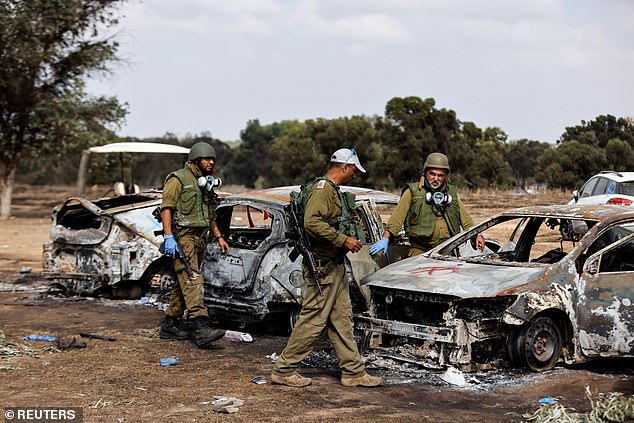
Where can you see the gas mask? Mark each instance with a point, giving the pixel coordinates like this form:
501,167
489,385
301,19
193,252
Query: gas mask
209,182
438,199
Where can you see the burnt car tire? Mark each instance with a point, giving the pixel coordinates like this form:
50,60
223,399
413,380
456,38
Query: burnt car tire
536,345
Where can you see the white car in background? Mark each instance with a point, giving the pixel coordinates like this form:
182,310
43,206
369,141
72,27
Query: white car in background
607,187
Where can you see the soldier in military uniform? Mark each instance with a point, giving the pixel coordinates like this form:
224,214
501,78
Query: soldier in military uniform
188,212
430,209
330,223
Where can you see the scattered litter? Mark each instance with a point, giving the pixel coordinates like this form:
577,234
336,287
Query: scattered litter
25,269
259,380
238,336
273,357
69,344
95,336
40,338
548,400
612,407
226,404
454,376
170,361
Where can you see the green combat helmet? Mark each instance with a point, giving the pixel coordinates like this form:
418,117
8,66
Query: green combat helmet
436,160
201,150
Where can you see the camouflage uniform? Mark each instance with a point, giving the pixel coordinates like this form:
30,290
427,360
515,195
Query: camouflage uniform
333,310
190,226
440,231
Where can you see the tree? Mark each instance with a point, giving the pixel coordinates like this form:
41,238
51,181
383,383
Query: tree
253,158
522,156
47,48
570,164
600,131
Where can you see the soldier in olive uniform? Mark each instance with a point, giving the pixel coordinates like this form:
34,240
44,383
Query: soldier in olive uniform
430,209
188,212
329,221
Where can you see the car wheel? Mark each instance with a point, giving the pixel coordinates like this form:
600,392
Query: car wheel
515,346
537,345
161,283
293,317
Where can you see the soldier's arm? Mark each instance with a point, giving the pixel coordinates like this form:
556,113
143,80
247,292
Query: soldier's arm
171,191
396,221
465,218
319,207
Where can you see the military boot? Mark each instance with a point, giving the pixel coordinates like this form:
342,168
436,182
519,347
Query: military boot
204,334
171,329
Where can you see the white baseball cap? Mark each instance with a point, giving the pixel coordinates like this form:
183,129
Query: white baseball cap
346,156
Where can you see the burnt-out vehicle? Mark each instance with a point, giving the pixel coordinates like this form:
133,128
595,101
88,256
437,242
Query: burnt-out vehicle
111,247
554,283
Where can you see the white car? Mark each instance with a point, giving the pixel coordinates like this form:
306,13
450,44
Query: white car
607,187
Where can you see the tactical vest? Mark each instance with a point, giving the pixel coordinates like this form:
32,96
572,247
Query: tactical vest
194,209
421,218
346,222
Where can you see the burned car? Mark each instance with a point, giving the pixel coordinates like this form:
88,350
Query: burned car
554,283
111,247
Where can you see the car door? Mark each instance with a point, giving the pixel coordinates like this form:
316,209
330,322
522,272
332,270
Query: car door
248,229
589,191
605,311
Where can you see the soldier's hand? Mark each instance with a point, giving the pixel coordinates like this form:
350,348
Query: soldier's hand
170,246
223,245
480,242
352,244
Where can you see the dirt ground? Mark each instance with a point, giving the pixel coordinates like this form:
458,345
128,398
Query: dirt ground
122,381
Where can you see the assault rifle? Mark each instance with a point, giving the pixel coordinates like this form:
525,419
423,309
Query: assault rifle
298,236
179,253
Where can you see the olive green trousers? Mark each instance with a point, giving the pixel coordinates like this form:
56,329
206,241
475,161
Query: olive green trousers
188,293
333,312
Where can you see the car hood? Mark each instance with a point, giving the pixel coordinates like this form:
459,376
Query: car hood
455,278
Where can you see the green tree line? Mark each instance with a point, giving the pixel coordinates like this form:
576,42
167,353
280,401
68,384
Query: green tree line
392,148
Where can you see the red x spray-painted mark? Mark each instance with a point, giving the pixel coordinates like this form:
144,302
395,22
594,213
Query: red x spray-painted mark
431,269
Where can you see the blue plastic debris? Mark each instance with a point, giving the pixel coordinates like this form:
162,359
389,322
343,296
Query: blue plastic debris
40,338
548,400
170,361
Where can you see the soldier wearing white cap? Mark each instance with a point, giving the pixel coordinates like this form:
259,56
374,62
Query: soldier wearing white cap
333,230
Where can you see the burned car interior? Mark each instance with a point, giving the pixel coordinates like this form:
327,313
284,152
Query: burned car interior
244,226
523,240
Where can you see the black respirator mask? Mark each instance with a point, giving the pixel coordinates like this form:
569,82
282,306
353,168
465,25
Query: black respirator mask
209,182
438,199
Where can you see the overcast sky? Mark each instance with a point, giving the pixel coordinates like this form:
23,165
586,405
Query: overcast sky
529,67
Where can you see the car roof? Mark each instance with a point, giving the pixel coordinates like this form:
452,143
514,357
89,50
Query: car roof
281,195
573,211
616,176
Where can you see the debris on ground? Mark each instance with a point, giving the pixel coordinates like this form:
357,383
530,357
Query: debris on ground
454,377
226,404
36,337
259,380
169,361
95,336
606,408
64,344
273,357
232,335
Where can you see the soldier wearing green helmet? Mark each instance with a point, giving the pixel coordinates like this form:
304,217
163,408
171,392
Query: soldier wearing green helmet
188,215
431,210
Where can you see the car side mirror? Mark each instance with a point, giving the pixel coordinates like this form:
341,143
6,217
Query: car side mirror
575,195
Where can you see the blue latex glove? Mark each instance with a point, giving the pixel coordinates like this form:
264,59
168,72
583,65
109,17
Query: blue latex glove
380,245
170,245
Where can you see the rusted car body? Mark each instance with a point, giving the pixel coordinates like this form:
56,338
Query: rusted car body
555,282
110,246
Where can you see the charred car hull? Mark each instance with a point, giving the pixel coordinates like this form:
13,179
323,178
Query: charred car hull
550,291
